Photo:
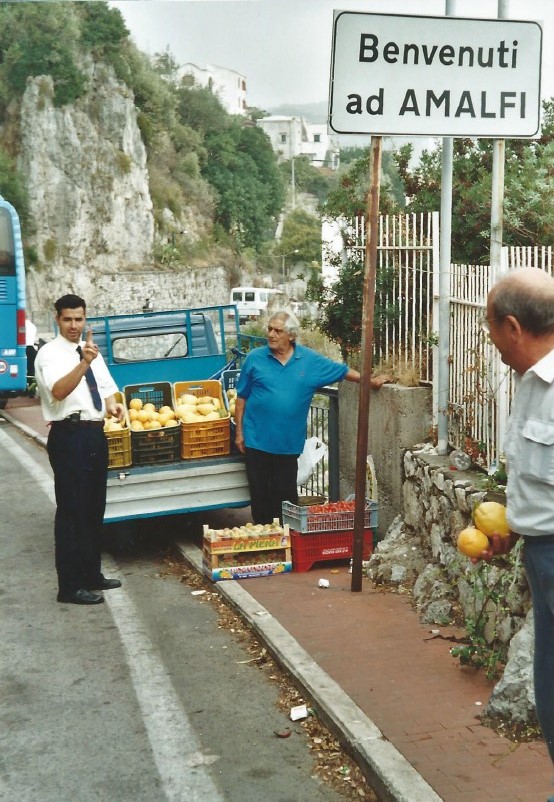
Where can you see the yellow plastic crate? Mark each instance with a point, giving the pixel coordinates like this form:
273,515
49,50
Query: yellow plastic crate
119,443
204,438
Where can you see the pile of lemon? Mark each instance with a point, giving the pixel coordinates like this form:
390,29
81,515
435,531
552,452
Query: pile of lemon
489,518
145,416
231,394
199,409
112,424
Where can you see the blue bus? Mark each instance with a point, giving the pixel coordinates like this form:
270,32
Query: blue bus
13,359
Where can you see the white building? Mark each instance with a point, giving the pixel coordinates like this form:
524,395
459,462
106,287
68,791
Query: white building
293,136
228,85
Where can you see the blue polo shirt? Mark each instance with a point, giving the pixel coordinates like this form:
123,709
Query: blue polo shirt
278,397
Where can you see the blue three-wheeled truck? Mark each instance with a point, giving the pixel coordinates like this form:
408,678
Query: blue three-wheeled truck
152,350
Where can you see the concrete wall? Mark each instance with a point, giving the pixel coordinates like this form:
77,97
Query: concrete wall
120,293
399,417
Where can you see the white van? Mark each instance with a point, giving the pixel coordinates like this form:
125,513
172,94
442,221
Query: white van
251,302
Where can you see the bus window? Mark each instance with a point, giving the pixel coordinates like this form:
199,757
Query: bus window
236,296
7,249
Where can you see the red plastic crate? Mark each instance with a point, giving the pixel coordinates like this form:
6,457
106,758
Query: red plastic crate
309,548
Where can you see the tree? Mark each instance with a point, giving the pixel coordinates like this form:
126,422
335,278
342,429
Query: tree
12,187
340,305
242,168
349,199
198,107
102,28
528,191
34,43
316,181
301,234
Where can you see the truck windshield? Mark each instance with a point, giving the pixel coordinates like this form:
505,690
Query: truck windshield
149,346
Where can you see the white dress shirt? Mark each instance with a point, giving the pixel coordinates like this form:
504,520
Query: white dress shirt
529,449
55,360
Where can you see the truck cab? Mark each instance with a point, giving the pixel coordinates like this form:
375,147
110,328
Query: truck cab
172,346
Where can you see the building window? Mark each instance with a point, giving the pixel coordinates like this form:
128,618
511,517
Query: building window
317,137
283,138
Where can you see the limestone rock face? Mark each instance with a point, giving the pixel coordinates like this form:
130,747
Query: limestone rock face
87,179
513,698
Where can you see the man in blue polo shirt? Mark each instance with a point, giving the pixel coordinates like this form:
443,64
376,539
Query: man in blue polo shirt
274,393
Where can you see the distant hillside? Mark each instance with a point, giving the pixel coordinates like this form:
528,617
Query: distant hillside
312,112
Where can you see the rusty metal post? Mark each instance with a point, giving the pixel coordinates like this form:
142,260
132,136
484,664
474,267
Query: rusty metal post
370,273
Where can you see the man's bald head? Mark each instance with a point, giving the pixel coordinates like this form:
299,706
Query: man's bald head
528,295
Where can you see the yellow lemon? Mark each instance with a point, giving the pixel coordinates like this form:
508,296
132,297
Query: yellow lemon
489,517
472,542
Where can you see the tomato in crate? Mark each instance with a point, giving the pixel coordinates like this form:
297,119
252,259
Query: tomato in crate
333,516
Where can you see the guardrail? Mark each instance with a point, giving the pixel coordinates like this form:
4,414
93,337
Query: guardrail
323,422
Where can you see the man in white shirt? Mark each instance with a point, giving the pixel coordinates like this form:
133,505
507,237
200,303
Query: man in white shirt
76,390
520,321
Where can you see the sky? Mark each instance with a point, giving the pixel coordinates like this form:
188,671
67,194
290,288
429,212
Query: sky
283,47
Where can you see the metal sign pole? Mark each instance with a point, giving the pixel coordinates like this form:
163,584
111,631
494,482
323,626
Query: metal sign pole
370,273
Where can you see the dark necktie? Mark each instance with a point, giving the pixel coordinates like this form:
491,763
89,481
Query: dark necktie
91,382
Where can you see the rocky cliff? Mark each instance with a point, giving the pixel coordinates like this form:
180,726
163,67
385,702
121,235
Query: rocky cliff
87,180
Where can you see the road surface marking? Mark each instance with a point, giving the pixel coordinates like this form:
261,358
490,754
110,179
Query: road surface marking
177,752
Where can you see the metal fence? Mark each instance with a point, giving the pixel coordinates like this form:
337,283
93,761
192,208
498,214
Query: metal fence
480,386
323,422
407,253
474,367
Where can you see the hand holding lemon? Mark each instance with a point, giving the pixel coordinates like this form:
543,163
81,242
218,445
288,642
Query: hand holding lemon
490,535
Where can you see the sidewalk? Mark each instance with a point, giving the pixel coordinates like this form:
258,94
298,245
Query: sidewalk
406,707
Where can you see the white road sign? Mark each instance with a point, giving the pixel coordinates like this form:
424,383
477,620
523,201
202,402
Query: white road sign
435,76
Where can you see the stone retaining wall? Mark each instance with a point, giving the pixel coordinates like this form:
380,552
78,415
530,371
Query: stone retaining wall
419,554
125,292
423,505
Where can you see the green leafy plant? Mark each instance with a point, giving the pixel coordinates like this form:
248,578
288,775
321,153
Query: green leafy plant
340,305
490,586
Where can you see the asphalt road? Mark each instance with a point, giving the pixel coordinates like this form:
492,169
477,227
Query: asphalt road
141,699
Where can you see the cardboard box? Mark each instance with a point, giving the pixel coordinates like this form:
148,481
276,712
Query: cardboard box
259,553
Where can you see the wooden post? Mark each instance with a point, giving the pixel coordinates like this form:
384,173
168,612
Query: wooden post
370,273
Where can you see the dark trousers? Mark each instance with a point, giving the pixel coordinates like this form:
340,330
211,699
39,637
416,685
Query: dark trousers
79,458
31,353
272,480
539,566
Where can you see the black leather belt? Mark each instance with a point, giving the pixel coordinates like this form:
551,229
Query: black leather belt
76,420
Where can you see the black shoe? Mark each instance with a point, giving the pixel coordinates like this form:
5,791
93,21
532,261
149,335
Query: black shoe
104,584
81,596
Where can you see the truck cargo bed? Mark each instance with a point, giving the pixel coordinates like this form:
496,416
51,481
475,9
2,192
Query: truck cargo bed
178,487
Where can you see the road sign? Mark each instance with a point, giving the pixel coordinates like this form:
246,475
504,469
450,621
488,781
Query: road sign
435,76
